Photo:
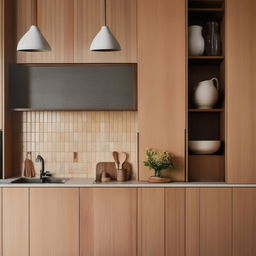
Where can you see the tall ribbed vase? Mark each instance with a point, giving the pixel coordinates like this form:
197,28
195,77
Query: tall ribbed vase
212,40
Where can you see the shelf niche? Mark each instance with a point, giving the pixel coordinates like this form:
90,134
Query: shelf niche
206,124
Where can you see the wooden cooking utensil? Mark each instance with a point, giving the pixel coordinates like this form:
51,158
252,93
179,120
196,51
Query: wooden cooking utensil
116,158
110,169
122,159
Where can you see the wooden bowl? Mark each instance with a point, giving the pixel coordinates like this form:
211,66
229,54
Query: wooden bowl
154,179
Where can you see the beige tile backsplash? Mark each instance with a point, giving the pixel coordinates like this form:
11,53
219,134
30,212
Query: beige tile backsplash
58,135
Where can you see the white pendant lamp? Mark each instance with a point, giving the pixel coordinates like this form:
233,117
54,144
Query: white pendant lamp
33,40
105,40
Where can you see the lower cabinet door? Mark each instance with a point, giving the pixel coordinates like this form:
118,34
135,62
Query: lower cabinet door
108,221
209,221
244,222
175,221
15,216
161,223
54,222
151,222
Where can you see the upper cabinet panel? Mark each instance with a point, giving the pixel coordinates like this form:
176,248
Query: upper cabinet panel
121,18
241,90
56,22
70,26
161,79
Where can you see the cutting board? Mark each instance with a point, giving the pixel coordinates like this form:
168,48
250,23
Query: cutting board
110,169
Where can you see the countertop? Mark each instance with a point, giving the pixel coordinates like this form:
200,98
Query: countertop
90,183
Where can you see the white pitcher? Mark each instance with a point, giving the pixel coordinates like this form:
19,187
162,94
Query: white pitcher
196,42
206,93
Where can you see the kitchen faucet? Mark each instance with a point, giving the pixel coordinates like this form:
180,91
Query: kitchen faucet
43,173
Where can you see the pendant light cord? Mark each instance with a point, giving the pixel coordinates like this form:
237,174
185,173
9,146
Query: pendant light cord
105,12
36,21
34,12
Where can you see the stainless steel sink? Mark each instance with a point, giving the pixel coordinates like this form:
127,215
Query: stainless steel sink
36,181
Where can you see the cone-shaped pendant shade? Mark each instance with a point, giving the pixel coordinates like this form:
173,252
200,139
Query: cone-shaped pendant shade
33,41
105,41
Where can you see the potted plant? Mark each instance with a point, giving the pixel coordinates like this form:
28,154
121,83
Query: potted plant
158,161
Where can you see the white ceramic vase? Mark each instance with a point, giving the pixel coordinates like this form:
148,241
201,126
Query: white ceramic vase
206,93
196,42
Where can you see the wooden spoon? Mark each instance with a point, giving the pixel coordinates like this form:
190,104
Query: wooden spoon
116,158
122,159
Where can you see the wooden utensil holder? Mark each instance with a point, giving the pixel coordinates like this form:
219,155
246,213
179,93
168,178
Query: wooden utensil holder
110,169
121,175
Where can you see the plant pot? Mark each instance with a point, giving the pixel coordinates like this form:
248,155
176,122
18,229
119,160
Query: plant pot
155,179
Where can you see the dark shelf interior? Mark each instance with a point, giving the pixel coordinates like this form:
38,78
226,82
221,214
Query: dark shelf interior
206,110
205,59
199,15
201,10
204,126
201,72
205,3
206,168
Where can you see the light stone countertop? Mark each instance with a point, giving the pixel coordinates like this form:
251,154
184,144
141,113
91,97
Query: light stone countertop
90,183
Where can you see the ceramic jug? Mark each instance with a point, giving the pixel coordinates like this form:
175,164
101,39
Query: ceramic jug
196,42
206,93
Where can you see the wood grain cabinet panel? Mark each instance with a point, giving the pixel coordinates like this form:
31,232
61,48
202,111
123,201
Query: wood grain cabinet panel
244,221
70,26
216,221
54,221
1,224
1,61
241,90
192,222
15,221
108,221
161,78
175,221
151,222
56,21
122,20
209,221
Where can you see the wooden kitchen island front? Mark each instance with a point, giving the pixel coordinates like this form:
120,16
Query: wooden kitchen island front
134,218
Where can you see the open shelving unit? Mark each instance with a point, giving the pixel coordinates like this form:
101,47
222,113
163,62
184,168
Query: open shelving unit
206,124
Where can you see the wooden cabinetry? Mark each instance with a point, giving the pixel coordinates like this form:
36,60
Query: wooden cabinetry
161,78
1,61
15,221
244,222
108,221
122,20
192,231
241,92
128,221
161,221
70,26
209,221
216,222
1,224
54,221
175,221
151,223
